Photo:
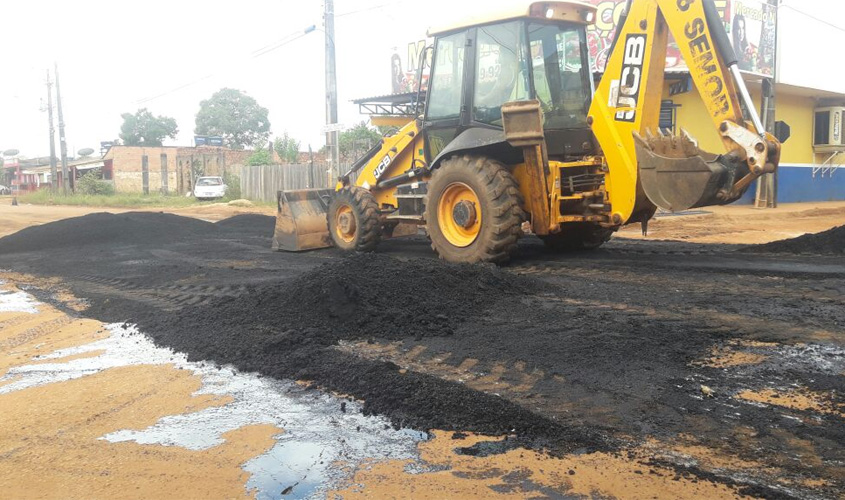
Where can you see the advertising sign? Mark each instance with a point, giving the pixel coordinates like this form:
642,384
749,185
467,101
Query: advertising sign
405,67
750,25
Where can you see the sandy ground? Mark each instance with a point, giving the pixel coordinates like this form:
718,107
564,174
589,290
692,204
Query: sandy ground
744,225
50,435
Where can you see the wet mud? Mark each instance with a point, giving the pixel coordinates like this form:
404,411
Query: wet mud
639,342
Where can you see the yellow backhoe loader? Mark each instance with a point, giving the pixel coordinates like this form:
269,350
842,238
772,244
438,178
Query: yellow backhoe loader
515,138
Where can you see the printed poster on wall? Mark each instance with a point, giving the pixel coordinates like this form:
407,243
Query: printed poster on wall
405,70
750,25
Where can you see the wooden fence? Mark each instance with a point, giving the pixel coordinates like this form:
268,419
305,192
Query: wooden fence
261,183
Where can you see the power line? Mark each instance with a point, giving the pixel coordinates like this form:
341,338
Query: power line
367,9
290,38
181,87
282,41
266,49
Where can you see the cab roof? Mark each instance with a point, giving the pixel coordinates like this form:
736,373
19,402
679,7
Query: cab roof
575,12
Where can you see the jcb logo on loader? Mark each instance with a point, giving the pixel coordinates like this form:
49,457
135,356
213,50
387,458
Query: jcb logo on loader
385,162
629,80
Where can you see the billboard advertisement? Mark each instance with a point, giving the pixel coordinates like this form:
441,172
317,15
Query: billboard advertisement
750,25
405,66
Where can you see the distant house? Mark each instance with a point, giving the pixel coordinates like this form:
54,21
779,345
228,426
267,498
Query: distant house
168,169
32,174
23,176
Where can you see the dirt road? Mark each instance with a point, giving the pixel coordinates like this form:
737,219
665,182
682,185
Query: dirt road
648,368
743,225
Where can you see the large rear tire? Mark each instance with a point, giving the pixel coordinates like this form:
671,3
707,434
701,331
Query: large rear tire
578,237
472,210
354,220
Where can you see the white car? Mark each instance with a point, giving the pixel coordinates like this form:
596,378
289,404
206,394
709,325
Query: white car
208,188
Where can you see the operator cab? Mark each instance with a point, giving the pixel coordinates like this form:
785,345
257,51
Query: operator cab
535,52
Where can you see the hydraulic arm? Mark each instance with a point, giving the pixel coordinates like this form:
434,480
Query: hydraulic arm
670,170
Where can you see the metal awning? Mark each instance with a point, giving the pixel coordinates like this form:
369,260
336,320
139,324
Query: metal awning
392,104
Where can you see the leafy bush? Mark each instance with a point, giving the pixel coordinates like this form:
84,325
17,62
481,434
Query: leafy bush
287,148
233,183
260,157
91,184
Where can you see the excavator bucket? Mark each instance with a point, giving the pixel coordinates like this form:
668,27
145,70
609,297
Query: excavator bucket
676,175
301,220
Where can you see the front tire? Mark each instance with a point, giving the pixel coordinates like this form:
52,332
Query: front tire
354,220
473,211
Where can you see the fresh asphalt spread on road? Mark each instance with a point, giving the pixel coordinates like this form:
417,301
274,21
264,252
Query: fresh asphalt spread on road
614,342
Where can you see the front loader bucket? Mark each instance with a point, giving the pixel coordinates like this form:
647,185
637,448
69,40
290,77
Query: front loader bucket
301,220
676,175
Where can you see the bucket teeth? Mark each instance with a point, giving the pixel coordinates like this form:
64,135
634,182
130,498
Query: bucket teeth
671,146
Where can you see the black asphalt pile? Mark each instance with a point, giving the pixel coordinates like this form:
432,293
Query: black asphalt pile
132,228
251,224
290,330
370,295
831,242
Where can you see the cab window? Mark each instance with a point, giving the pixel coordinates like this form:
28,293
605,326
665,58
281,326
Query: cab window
501,70
448,78
559,82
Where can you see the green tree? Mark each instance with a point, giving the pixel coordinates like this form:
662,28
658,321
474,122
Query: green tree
357,140
145,129
234,116
287,148
260,157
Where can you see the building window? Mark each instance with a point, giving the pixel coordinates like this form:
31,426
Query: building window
668,115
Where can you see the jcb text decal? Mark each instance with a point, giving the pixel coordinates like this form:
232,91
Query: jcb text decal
385,162
631,77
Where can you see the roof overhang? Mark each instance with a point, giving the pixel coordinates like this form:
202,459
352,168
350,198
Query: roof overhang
573,12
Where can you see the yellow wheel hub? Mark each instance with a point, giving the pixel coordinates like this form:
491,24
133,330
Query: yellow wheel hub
459,215
345,225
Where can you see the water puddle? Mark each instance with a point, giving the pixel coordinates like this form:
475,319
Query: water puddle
16,301
323,436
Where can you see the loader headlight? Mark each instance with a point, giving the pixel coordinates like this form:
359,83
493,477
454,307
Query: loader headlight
550,13
588,16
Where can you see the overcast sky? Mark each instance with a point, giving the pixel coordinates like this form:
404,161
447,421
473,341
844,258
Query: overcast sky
116,56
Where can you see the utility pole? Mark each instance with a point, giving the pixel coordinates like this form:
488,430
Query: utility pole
331,90
62,139
54,180
767,184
